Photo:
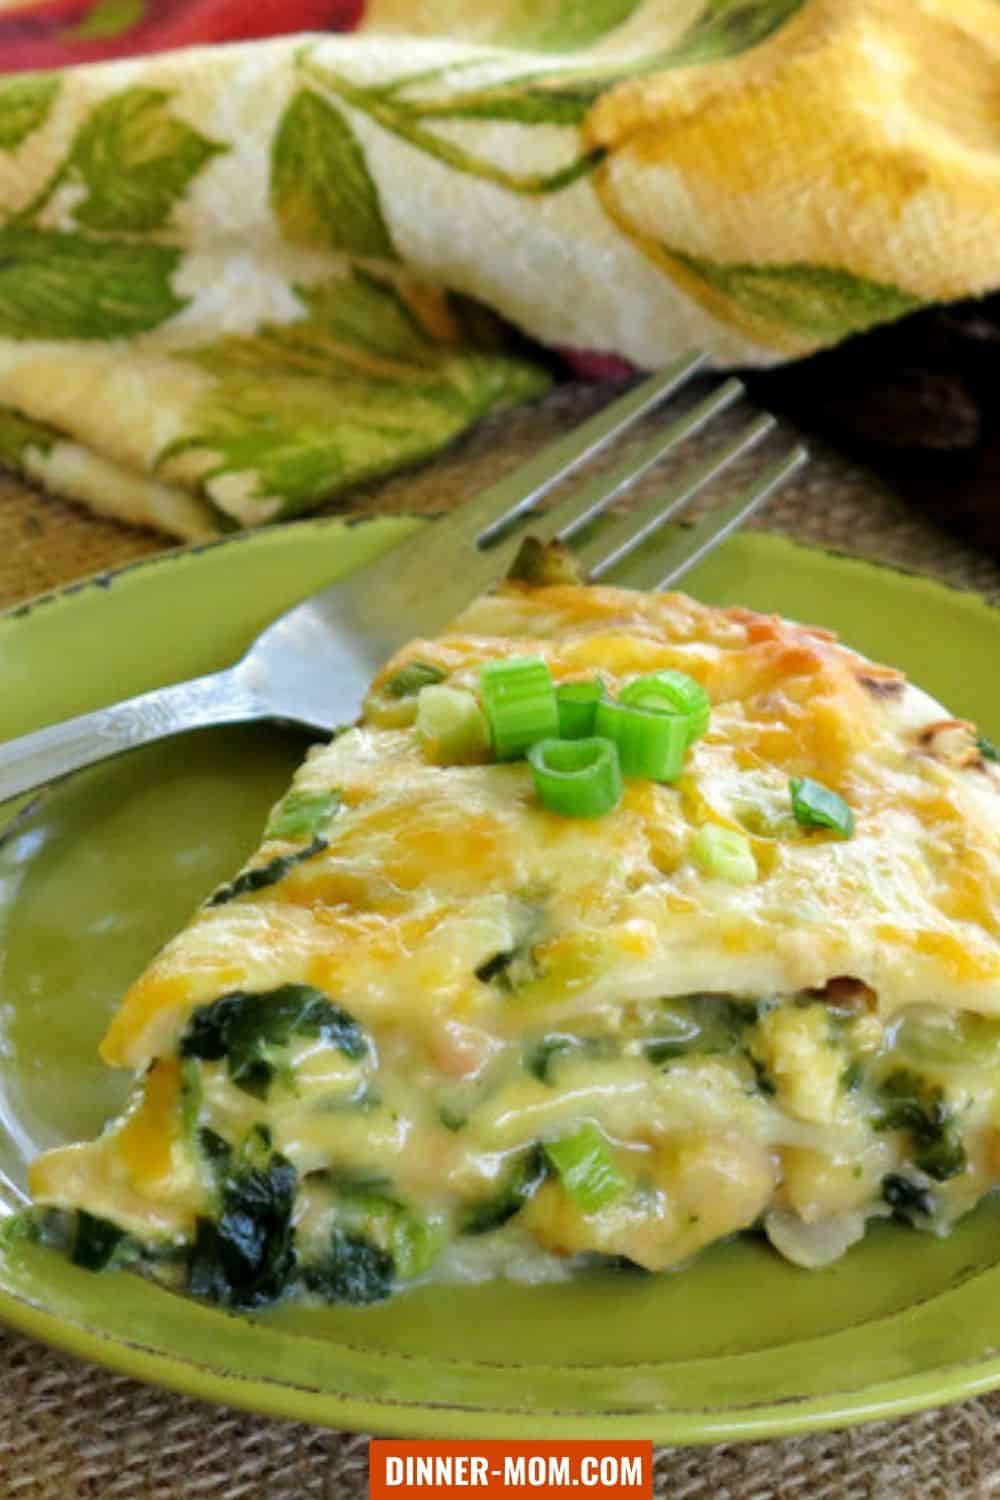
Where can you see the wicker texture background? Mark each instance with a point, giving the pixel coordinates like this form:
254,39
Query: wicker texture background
72,1432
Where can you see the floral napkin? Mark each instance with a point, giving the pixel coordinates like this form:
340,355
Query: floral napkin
237,280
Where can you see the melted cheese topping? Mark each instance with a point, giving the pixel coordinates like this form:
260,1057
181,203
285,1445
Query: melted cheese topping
429,872
429,867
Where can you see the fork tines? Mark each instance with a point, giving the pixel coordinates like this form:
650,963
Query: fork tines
496,520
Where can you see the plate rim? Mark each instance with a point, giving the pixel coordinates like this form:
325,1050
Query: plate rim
284,1399
102,579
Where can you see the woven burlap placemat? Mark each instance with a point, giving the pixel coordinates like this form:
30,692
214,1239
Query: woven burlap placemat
70,1431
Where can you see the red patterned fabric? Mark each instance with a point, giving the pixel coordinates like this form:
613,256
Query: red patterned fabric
57,32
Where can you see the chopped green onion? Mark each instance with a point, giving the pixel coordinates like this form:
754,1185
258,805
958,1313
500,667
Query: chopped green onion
301,815
410,679
451,724
649,744
587,1168
413,1242
725,853
520,704
577,703
577,778
815,806
671,692
987,749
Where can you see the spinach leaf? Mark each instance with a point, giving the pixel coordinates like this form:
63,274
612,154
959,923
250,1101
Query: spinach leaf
246,1027
95,1241
706,1024
246,1257
216,1151
264,875
411,1240
677,1032
376,1240
916,1106
762,1078
906,1198
355,1270
522,1183
540,1056
512,967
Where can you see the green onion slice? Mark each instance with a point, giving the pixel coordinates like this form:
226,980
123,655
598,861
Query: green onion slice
815,806
587,1168
451,724
649,744
301,815
520,704
724,853
577,703
577,778
671,692
408,681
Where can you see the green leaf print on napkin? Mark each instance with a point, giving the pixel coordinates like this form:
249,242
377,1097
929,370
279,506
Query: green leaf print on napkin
563,25
18,433
724,28
136,159
321,190
355,389
564,97
109,18
404,118
546,99
24,106
822,303
62,286
728,27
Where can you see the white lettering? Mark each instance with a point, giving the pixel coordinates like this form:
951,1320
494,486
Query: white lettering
631,1470
513,1471
394,1471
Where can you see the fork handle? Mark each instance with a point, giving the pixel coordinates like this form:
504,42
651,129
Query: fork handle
34,759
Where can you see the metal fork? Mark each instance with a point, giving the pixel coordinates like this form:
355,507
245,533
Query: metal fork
312,666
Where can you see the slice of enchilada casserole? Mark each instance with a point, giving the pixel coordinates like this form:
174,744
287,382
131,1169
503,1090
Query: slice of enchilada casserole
481,1006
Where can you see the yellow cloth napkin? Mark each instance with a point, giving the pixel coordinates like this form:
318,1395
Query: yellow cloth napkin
236,280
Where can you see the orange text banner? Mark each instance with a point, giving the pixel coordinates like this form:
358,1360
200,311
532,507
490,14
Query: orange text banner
435,1470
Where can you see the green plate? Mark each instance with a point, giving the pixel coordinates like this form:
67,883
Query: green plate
740,1345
